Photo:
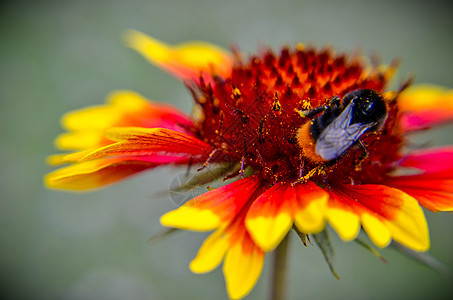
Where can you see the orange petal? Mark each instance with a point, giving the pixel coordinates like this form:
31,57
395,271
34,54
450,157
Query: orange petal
423,106
184,61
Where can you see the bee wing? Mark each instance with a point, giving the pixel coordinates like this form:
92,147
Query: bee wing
338,136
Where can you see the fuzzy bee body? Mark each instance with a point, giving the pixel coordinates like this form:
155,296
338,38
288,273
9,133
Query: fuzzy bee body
340,125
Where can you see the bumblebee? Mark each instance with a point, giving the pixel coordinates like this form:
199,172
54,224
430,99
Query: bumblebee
336,127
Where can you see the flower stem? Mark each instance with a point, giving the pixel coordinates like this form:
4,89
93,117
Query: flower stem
278,284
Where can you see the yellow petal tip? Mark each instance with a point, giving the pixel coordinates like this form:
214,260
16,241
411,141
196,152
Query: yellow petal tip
191,218
268,232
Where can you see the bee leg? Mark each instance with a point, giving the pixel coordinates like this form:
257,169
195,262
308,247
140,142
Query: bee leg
310,113
362,156
206,163
319,170
301,169
242,167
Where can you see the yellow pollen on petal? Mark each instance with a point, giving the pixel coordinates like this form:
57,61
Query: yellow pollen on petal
191,218
376,230
269,231
345,223
210,254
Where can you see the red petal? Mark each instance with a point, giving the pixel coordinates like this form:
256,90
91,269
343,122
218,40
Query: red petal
271,215
385,212
186,61
243,263
137,149
95,173
123,109
415,121
430,160
434,191
222,206
225,209
136,141
423,106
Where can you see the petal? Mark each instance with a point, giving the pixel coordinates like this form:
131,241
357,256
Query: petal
342,216
123,108
430,160
243,258
433,191
137,149
271,215
80,140
243,265
222,205
191,218
94,174
184,61
423,106
380,206
136,141
211,253
377,231
309,213
58,159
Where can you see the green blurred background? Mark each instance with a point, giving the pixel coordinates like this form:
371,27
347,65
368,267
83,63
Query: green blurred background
56,56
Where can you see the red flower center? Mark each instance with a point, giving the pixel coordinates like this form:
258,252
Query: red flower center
253,115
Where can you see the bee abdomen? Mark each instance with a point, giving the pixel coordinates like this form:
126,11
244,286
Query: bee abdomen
307,142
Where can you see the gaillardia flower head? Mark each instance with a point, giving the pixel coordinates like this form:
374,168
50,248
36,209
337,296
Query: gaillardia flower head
304,136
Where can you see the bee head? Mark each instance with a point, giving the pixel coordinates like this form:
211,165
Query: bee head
369,107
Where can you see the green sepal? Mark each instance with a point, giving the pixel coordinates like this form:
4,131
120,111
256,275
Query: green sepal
161,234
371,249
325,245
303,236
423,258
205,176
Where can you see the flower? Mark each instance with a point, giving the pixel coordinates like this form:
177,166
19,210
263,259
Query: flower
259,118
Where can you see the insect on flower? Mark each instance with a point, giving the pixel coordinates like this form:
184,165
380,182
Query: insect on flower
292,153
340,125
